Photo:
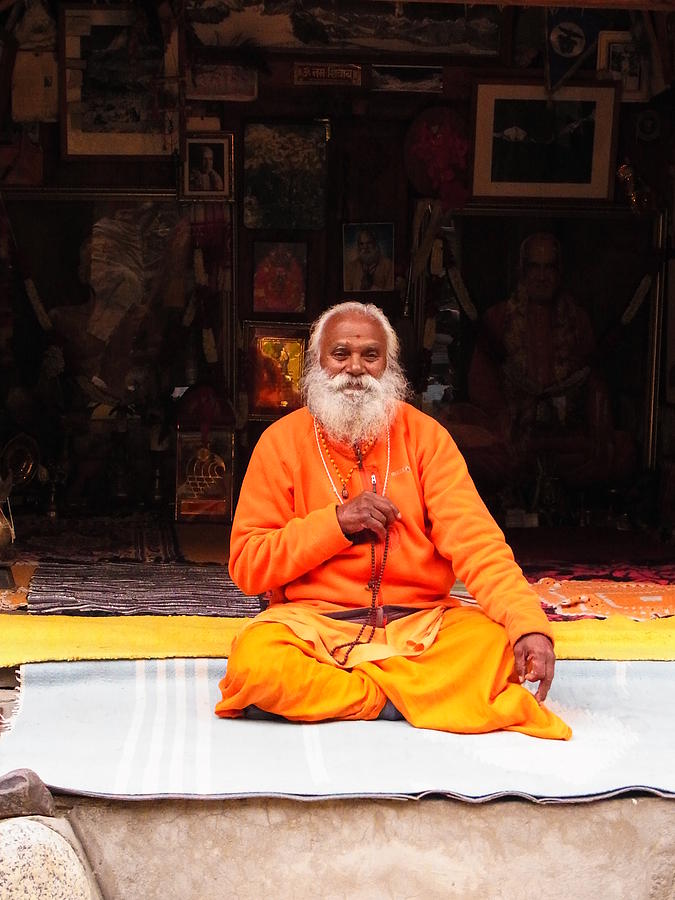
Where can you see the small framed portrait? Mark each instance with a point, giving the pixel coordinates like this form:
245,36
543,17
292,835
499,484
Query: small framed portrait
275,363
279,277
367,257
208,167
620,58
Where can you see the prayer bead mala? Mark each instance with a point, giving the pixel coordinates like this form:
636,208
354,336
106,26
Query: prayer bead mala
375,576
360,453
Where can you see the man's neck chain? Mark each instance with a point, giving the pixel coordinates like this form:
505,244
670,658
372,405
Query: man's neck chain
344,479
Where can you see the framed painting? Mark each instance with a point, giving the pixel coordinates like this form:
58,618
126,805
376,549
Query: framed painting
619,57
409,79
528,144
208,167
367,257
374,27
285,175
275,363
207,80
119,82
279,277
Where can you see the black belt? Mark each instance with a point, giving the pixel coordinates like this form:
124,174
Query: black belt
364,615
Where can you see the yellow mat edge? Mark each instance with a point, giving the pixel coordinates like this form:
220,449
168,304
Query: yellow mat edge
25,639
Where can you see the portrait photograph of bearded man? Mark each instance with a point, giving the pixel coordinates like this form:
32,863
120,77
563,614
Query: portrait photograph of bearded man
356,516
367,253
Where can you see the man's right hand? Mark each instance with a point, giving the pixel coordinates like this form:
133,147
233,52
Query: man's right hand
367,512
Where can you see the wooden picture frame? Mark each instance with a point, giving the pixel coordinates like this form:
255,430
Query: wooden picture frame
275,359
516,125
279,277
208,167
620,58
100,116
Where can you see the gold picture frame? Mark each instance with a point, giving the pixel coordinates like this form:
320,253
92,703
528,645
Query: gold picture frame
275,364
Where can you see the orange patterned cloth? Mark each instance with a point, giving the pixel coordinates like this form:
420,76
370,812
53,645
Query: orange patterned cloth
640,600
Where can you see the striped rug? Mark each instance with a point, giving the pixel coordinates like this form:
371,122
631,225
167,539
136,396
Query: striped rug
146,729
138,589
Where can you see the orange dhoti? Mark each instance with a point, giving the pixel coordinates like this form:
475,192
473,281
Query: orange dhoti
463,682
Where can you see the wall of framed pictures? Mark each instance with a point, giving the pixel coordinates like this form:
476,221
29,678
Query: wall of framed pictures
295,166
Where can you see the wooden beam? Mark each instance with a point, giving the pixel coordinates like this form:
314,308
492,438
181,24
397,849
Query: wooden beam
657,5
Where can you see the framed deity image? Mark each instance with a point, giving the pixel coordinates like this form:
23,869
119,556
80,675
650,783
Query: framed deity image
115,102
208,167
367,257
274,367
279,277
204,476
619,57
528,144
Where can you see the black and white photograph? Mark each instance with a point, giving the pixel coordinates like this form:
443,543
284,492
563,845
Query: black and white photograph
619,57
208,167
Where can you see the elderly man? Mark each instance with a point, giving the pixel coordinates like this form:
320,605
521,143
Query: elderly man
538,398
357,514
205,177
370,270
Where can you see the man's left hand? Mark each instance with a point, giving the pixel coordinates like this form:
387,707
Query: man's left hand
535,661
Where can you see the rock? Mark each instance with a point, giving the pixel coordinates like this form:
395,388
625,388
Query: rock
38,863
22,793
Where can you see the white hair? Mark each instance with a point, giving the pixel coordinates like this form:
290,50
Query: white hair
346,414
354,307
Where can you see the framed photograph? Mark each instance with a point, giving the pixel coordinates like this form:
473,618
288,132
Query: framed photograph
208,167
285,175
409,79
279,277
115,102
367,257
275,362
374,27
221,81
620,58
528,144
204,482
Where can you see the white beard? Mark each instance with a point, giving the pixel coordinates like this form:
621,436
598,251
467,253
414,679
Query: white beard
353,409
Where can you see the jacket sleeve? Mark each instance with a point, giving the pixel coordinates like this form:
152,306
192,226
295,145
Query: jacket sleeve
464,532
270,544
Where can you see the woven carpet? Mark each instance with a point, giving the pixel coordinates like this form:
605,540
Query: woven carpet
145,537
138,589
146,729
657,572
